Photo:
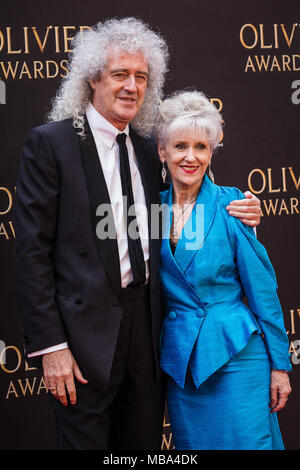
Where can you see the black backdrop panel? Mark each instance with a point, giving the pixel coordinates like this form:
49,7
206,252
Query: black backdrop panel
246,58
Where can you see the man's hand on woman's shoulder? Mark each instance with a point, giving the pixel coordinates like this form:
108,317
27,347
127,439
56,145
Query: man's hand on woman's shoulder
247,210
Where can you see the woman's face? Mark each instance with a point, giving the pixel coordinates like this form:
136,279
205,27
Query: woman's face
187,154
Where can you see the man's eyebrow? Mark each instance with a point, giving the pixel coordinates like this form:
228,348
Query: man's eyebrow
144,72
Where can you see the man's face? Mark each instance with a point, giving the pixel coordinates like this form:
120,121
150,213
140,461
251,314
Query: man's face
119,93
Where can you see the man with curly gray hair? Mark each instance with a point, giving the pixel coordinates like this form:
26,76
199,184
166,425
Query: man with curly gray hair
86,268
90,301
89,59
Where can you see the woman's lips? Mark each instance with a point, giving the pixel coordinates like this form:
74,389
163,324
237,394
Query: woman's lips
189,169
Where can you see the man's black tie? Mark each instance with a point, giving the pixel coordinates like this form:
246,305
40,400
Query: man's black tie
134,245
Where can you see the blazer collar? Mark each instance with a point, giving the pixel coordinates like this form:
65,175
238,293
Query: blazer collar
198,225
101,128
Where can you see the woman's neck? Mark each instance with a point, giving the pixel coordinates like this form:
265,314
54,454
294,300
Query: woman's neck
184,194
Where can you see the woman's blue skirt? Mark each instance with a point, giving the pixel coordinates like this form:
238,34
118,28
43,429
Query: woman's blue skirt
230,410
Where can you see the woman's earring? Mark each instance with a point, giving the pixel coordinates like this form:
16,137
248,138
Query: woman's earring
210,174
163,172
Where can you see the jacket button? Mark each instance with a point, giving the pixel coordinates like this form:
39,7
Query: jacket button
200,314
78,301
172,316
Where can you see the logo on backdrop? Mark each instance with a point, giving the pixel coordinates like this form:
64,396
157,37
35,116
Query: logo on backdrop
24,381
272,48
292,332
219,105
271,41
25,48
7,231
280,186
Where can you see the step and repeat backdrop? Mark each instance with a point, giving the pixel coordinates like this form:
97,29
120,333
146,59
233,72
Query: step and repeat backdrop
246,57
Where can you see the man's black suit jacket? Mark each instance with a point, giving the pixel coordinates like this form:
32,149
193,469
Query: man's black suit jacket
68,280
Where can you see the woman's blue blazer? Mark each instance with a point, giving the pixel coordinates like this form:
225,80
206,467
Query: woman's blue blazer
217,263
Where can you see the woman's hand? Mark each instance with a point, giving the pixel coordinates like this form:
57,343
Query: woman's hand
280,389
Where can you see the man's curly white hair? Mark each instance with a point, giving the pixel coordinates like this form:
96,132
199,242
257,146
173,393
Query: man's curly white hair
88,59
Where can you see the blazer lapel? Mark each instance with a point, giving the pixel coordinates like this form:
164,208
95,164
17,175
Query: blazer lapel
98,194
199,223
167,258
196,228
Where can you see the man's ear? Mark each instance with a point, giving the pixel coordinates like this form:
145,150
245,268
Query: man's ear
92,84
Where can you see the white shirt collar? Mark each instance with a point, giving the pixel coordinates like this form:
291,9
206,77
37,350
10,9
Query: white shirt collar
101,128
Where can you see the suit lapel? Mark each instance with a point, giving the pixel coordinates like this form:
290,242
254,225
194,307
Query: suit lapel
141,148
98,194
